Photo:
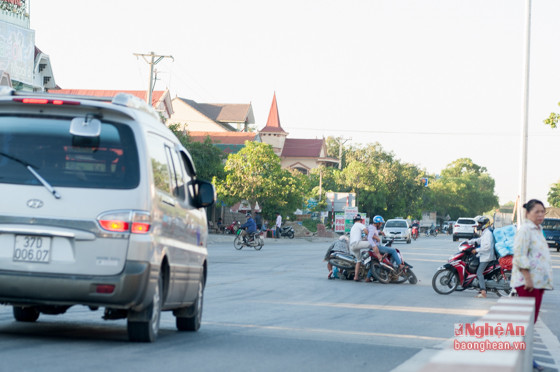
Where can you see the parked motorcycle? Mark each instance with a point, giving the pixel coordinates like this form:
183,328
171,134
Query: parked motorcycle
414,233
232,228
254,240
287,231
460,274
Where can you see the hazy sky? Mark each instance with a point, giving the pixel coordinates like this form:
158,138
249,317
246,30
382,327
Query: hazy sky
431,80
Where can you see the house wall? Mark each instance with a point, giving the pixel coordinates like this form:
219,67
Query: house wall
191,119
276,140
307,162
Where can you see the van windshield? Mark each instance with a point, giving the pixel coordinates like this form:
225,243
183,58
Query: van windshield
64,160
551,224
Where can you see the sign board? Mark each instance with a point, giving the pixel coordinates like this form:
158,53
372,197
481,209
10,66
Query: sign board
343,221
17,52
338,201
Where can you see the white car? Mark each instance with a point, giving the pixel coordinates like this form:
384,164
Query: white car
465,227
398,230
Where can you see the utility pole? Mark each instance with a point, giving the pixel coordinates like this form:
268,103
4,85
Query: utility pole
340,143
152,60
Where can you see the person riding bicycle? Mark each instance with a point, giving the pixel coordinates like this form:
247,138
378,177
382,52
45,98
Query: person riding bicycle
249,227
485,251
374,240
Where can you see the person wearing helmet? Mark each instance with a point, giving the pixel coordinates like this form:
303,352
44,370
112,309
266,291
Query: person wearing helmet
356,242
249,227
374,240
485,251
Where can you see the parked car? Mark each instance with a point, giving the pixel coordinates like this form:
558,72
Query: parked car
551,229
465,227
397,229
104,210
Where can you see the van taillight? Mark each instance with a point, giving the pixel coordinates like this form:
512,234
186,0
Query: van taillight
135,222
45,101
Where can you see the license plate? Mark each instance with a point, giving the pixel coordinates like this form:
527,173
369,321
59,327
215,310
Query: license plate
367,260
32,248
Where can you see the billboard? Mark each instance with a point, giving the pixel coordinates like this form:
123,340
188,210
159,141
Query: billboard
17,52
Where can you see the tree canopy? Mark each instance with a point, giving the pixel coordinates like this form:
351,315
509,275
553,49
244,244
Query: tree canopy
554,195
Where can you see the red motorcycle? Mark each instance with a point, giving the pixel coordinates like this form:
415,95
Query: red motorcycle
460,274
414,232
232,228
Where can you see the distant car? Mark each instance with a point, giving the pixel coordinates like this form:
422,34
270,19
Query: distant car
465,227
397,229
551,230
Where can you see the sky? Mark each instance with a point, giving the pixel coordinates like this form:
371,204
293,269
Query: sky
431,80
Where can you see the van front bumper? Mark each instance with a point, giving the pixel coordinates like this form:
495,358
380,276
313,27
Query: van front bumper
25,288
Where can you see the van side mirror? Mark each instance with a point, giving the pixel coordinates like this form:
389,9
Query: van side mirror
202,193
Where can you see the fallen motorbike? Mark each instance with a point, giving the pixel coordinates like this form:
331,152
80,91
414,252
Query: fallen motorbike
414,233
254,240
382,271
232,228
287,231
460,274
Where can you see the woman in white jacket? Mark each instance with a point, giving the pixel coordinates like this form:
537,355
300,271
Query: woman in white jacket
485,252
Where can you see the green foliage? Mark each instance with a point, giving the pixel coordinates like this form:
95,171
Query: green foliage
552,120
464,189
310,224
208,159
554,195
255,174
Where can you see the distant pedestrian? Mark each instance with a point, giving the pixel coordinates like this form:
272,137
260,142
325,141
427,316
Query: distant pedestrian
278,224
258,220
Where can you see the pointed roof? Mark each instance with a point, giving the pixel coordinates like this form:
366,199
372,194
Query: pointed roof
273,122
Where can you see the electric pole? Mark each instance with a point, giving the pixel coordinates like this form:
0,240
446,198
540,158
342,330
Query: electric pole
152,61
340,143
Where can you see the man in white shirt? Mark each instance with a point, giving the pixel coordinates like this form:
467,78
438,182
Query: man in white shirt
278,224
356,242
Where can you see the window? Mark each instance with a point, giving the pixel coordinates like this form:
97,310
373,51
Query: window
159,157
109,161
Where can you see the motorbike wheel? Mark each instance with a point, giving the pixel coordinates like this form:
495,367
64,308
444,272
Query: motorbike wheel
412,279
291,234
398,279
445,281
503,292
259,243
238,242
381,274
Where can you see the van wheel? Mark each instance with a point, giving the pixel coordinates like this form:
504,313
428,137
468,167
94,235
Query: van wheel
193,321
147,331
25,314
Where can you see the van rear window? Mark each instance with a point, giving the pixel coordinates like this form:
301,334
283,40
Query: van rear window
45,144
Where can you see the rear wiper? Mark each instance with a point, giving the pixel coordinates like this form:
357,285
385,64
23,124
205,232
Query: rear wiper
31,169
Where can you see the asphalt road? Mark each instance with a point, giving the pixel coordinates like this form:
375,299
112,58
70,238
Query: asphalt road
270,310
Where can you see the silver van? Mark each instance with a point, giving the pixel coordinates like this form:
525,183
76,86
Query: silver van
100,206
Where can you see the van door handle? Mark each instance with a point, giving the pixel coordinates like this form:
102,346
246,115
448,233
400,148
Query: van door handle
168,201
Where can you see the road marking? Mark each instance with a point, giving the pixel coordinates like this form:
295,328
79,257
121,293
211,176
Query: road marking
329,331
413,309
427,260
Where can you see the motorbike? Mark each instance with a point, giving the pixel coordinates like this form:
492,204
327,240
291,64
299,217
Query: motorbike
460,274
414,233
232,228
383,271
432,232
287,231
254,240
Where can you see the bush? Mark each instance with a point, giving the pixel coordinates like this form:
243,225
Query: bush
310,225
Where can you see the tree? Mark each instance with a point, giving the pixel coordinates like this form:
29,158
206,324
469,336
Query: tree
554,195
255,174
208,159
464,189
552,120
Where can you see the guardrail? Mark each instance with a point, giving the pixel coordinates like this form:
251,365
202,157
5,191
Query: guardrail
500,341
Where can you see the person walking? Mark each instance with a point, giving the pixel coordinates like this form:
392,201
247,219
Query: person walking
532,270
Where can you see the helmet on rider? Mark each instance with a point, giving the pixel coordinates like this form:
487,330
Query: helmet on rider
483,222
378,219
248,214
